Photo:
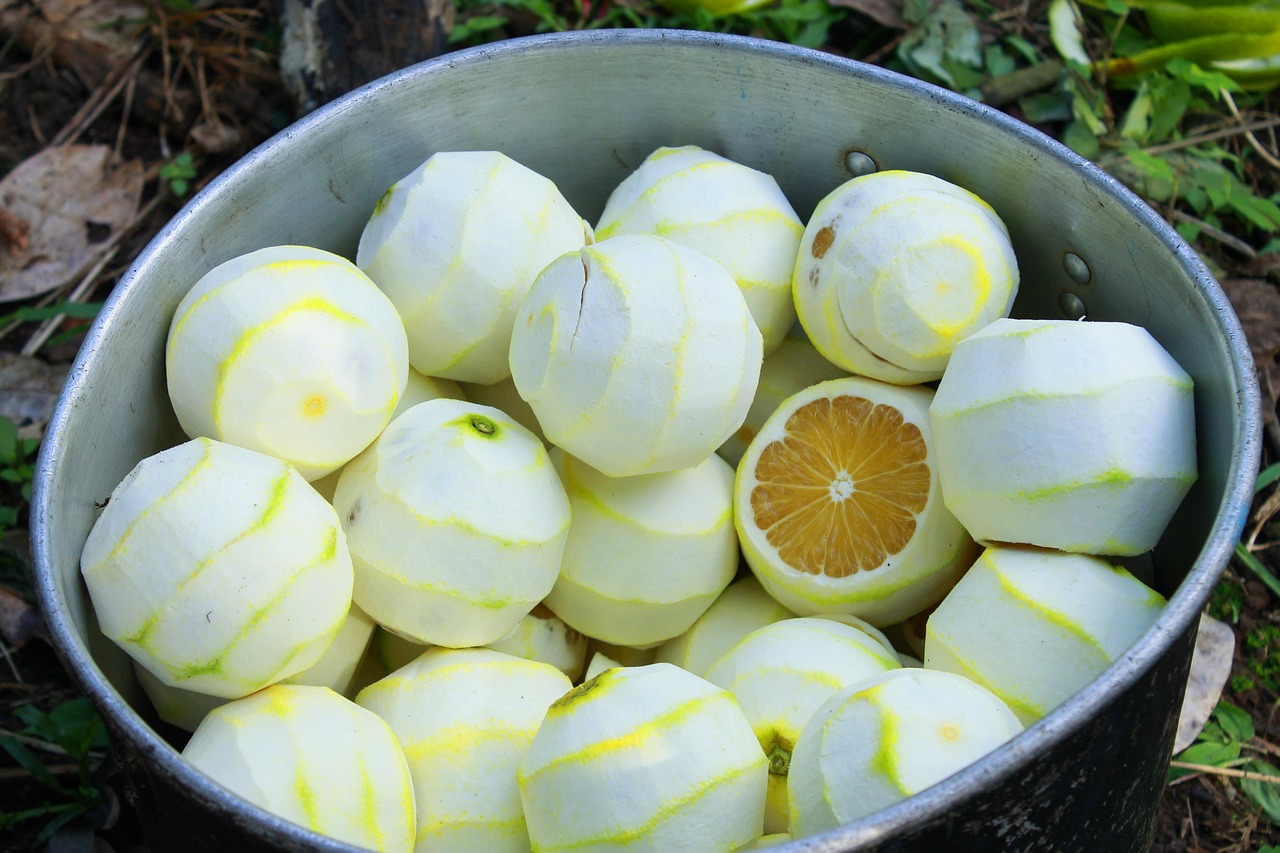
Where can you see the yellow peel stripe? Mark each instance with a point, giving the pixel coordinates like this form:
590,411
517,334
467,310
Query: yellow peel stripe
634,738
1016,397
1053,617
278,490
578,490
513,825
184,483
250,335
306,798
463,669
214,663
882,762
1017,705
665,811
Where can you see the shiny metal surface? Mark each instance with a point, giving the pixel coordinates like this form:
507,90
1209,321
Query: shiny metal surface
584,109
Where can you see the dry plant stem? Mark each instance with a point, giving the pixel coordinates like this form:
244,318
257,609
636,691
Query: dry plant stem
1268,509
8,658
1221,771
101,98
48,327
13,773
1260,745
1218,234
1211,137
1253,140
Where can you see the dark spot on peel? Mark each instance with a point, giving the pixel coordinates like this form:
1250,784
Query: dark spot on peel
822,241
355,512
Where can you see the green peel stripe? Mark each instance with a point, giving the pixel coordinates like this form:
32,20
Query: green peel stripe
215,661
633,737
665,811
182,484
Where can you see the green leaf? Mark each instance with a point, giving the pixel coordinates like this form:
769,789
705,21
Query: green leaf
1045,107
1136,123
28,761
997,61
1211,753
1117,7
1079,138
1236,723
1153,167
1255,566
475,26
1189,231
8,441
945,38
1170,100
1213,82
1024,47
1064,31
1264,794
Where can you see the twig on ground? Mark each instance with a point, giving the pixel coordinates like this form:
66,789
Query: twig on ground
12,773
90,279
1253,140
1264,514
101,98
1222,771
1215,135
13,666
1218,234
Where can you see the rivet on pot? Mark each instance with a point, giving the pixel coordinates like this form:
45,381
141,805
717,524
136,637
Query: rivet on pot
1072,306
860,163
1077,270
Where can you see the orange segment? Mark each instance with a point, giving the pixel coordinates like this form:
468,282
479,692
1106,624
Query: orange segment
841,491
838,508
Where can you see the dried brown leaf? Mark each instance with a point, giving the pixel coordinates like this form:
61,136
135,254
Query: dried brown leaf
15,233
886,13
19,619
71,197
29,388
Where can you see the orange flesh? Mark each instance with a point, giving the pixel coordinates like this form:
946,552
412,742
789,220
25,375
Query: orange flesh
840,492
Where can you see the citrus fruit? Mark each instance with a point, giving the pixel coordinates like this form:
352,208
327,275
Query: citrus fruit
1079,613
455,244
314,758
1070,435
837,504
418,389
781,673
897,267
464,718
503,395
336,670
543,636
646,555
649,759
789,369
730,212
290,351
880,740
230,540
637,355
456,522
743,607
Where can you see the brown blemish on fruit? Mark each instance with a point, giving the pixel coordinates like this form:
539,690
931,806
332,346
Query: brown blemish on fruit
822,241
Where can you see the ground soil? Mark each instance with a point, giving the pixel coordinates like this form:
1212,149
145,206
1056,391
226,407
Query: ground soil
205,80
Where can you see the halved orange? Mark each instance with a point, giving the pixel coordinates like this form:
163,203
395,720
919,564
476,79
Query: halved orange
838,508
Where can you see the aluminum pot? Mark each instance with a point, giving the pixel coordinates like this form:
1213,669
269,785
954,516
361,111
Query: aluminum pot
585,109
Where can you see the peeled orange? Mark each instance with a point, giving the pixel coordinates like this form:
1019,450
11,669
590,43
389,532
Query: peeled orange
838,508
